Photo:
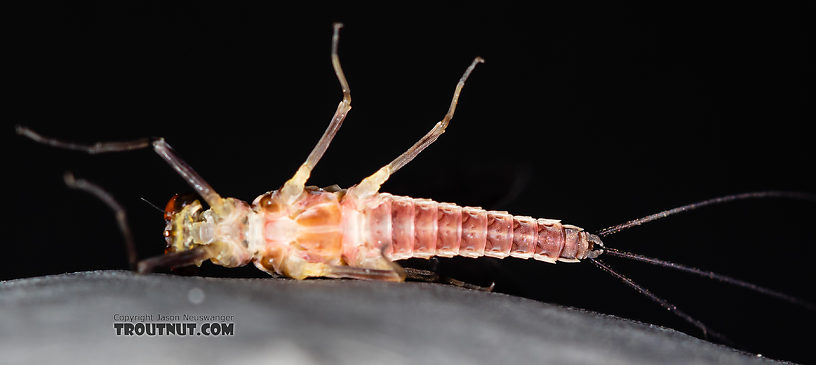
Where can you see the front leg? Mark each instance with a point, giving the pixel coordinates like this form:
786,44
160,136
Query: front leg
162,148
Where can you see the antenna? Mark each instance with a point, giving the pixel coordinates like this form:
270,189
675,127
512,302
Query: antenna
152,205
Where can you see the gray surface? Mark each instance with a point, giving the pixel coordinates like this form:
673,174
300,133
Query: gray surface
69,318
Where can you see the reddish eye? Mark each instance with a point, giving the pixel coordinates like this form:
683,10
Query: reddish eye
177,203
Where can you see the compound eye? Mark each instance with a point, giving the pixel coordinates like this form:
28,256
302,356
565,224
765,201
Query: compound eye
177,203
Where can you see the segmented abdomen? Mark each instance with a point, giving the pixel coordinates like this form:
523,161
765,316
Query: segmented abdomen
424,228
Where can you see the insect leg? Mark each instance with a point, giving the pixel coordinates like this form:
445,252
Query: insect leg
161,147
362,273
176,259
188,174
168,261
92,149
380,268
433,277
371,184
421,274
294,186
107,198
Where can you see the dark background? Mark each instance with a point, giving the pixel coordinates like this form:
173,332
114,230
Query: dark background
591,113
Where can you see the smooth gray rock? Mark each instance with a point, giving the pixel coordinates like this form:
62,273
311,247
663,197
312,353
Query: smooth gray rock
69,318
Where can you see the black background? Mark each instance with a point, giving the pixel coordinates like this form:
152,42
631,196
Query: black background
591,113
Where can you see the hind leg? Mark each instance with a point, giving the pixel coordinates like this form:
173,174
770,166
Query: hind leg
431,276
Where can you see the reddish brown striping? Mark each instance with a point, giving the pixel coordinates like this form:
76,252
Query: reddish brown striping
571,242
550,240
449,234
583,246
379,227
524,237
425,228
499,234
402,227
474,232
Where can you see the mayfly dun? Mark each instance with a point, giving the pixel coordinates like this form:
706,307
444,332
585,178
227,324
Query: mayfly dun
301,231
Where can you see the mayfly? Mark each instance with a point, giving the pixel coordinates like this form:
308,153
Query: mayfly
301,231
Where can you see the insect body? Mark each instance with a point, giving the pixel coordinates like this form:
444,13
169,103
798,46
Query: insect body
336,233
305,232
301,231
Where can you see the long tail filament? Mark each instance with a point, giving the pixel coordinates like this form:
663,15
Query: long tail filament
712,275
663,303
719,200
